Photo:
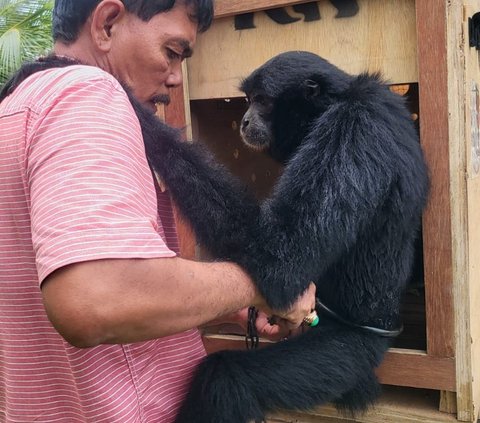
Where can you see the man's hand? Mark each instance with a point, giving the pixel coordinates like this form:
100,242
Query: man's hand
265,329
293,317
286,323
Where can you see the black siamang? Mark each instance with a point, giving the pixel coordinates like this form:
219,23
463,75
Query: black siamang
344,214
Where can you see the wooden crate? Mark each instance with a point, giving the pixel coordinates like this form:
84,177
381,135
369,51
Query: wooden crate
424,42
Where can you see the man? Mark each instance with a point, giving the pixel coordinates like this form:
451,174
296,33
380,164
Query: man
110,336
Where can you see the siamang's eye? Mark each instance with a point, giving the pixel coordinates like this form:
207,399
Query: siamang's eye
260,99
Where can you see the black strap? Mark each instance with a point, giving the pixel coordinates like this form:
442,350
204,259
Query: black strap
377,331
251,338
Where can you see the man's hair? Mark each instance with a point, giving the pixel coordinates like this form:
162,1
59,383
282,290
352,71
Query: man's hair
70,15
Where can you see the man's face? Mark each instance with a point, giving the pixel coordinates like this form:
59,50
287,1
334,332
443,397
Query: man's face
148,55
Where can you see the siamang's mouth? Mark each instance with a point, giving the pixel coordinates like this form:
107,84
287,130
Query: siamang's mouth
256,139
256,144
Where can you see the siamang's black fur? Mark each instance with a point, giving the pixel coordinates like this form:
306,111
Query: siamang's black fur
344,214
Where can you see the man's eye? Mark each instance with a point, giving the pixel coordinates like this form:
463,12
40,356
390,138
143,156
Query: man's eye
172,54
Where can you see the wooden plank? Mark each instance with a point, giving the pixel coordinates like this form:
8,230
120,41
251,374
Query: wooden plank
459,98
224,8
417,369
468,326
395,405
409,368
434,132
469,341
448,402
175,112
380,37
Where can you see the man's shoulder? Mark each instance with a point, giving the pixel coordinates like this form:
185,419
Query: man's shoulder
45,87
76,74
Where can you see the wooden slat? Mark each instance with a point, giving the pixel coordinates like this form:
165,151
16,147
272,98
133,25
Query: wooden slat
409,368
356,44
395,405
434,131
448,402
463,70
416,369
466,70
175,111
225,8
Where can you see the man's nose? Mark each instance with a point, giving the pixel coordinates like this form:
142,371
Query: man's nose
175,78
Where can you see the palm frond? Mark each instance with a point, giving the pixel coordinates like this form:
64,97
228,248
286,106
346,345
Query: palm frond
25,32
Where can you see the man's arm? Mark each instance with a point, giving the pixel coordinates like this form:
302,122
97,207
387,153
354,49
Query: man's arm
132,300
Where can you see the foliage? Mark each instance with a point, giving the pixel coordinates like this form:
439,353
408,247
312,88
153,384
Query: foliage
25,32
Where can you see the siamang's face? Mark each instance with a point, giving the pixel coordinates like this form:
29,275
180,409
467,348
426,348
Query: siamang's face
147,56
276,120
286,94
256,126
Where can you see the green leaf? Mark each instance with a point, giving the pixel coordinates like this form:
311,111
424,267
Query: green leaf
25,32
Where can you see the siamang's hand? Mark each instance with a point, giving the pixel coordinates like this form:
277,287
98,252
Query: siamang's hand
293,317
271,331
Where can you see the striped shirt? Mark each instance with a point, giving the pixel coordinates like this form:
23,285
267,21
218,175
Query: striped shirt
75,186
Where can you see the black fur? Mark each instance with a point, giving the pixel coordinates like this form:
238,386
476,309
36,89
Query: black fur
201,181
344,214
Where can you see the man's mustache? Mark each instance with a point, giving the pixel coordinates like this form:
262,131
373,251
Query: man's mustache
161,99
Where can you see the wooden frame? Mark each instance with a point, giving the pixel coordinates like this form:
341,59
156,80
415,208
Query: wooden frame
434,135
446,365
401,367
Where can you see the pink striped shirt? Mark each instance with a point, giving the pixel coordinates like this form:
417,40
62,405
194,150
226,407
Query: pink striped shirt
75,186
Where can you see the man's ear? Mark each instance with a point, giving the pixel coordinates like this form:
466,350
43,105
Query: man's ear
103,18
311,89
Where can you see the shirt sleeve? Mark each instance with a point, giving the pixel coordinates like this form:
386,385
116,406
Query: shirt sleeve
92,194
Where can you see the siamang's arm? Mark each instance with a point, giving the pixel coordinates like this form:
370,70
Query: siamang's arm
329,192
222,213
